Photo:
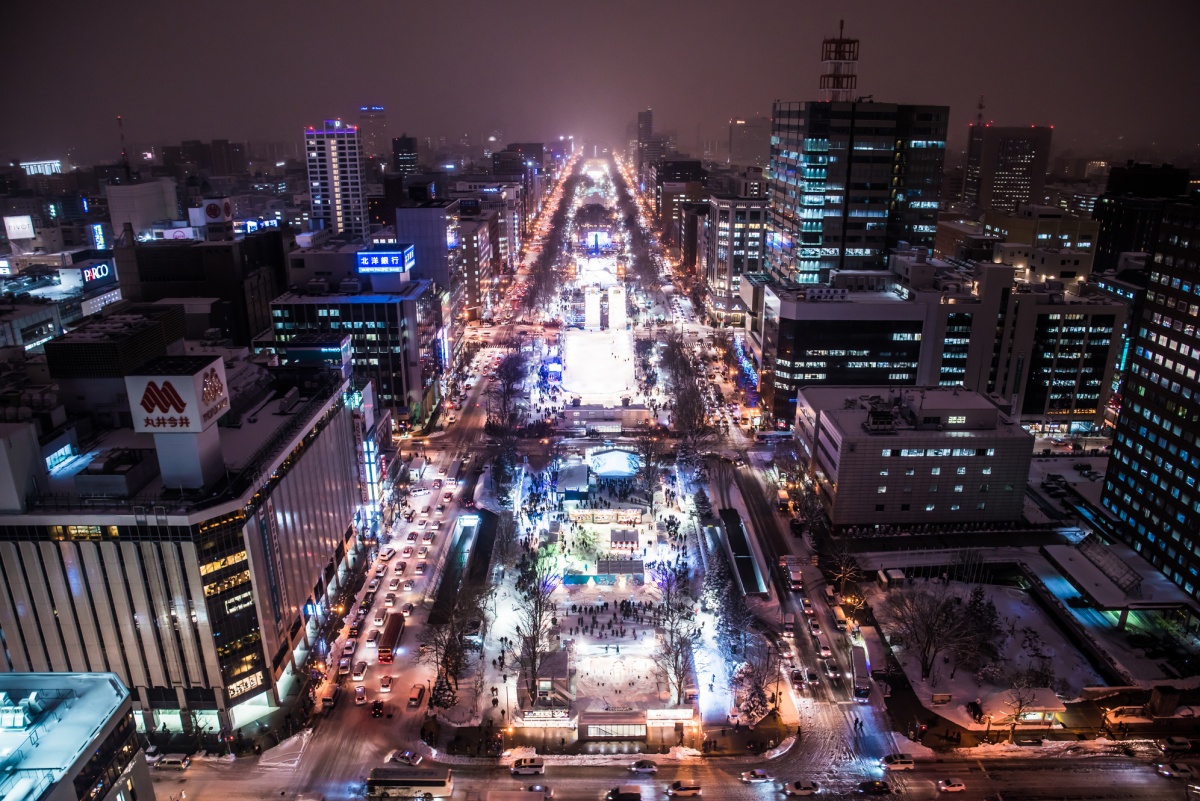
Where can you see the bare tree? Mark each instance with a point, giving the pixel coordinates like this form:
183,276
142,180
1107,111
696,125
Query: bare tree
928,622
649,447
537,578
844,567
677,628
1019,699
758,673
443,644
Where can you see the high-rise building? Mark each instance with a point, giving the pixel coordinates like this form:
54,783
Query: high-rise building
335,178
750,141
373,131
1006,167
735,237
404,154
202,549
645,132
1131,208
849,180
432,227
1150,485
394,334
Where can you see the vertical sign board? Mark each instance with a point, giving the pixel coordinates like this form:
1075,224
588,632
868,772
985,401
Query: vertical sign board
269,534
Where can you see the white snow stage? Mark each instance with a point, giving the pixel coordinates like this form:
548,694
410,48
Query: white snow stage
598,365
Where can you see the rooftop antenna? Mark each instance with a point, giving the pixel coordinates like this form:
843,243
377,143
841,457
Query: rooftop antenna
979,113
124,153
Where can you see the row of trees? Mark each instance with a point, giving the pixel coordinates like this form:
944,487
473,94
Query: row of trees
444,644
545,277
931,622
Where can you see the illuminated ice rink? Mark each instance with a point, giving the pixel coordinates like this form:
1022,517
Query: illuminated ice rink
598,365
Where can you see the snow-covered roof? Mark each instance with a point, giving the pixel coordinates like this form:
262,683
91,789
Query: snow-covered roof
615,464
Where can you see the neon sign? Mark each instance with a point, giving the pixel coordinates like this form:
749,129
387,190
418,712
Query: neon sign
390,261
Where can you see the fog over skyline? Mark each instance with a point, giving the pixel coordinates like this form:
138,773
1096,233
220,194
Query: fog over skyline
1112,77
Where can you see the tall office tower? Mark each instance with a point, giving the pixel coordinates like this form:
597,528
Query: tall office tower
750,142
373,131
839,68
645,132
1131,209
1006,166
1150,485
335,178
848,180
404,154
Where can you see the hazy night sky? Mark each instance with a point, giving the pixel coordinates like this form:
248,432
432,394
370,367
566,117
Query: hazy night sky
1107,74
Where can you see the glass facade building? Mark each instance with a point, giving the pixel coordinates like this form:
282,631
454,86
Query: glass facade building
1151,481
848,182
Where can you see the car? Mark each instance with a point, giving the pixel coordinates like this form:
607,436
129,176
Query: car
394,584
801,787
385,684
447,496
421,567
1174,745
814,627
344,666
684,789
408,585
408,552
441,507
1176,770
425,511
410,758
422,523
372,586
951,786
380,571
400,568
437,484
831,668
451,419
757,776
360,695
406,610
644,766
874,788
423,553
349,648
377,708
808,607
389,600
387,554
412,536
545,790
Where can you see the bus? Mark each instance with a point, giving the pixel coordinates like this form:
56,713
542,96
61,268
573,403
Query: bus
862,673
389,642
452,473
839,618
410,783
772,436
785,503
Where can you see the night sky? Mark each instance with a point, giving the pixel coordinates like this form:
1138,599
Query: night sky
1113,77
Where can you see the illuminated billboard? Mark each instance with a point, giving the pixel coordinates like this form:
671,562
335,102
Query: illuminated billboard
20,227
400,259
179,404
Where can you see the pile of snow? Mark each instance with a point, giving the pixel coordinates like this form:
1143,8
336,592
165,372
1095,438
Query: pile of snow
683,752
205,756
781,749
287,754
911,747
513,754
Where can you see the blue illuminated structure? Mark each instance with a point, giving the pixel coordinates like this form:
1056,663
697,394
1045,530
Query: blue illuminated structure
746,362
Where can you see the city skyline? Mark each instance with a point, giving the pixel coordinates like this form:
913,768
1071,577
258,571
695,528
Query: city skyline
1065,71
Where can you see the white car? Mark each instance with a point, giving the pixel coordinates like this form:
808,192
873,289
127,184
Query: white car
360,695
801,787
951,786
385,684
394,584
757,776
644,766
423,553
406,610
404,758
389,600
1176,770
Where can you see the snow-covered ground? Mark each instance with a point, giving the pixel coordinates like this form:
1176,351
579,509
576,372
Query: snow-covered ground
1032,640
599,365
598,270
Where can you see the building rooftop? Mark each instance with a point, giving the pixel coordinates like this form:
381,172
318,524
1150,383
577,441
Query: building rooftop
933,412
408,290
47,721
